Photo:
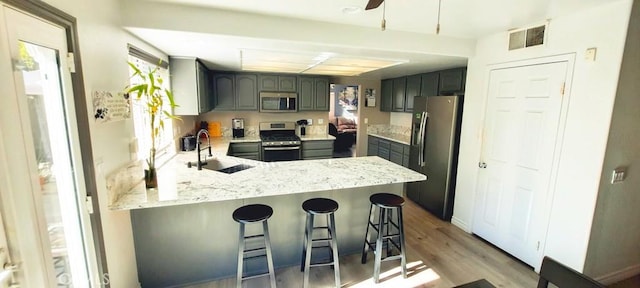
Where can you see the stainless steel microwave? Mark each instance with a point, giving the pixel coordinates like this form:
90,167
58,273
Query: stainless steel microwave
278,102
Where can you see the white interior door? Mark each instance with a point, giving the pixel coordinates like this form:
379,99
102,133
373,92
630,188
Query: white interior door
520,138
41,176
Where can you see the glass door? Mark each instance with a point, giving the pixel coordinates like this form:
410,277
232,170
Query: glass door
46,193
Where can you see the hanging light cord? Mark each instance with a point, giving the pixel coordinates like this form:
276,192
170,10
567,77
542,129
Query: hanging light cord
383,25
438,26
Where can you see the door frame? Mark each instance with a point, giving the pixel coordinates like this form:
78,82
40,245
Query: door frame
69,24
570,59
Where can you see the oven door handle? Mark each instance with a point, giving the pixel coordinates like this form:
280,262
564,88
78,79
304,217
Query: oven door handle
281,148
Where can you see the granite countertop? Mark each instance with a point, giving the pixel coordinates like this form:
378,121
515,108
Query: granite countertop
316,137
181,185
396,137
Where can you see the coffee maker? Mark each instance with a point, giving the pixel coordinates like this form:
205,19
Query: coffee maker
237,126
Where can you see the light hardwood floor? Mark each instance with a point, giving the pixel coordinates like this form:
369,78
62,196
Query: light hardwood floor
440,255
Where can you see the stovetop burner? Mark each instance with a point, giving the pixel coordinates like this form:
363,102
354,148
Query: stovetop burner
279,134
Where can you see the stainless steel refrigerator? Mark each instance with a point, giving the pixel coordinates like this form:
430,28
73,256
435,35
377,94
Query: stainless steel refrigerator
434,152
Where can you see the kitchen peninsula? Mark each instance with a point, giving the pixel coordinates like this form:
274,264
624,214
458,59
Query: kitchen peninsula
177,244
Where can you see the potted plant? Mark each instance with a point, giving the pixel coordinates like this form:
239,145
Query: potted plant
149,91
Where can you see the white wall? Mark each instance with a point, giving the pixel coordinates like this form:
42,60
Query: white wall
592,94
103,48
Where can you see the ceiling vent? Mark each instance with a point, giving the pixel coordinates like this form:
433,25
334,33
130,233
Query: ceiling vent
527,37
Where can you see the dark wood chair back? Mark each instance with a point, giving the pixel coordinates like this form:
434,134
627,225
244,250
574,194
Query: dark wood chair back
562,276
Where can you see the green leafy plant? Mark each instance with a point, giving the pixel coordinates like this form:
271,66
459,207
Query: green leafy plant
149,90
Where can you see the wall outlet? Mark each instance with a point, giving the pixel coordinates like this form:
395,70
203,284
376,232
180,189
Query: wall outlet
309,122
320,121
618,175
366,120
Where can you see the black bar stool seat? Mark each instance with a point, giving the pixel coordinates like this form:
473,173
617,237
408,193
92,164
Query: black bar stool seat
252,213
386,204
327,207
248,214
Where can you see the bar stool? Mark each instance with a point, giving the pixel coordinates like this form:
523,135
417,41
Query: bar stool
386,203
313,207
248,214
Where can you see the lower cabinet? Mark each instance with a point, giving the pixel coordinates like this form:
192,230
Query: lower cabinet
247,150
389,150
317,149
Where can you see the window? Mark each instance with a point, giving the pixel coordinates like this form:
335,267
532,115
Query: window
165,146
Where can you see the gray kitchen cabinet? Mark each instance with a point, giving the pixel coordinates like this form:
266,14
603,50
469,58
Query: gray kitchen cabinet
384,149
224,91
399,89
277,83
317,149
429,84
452,81
233,92
372,146
190,85
313,93
247,150
246,91
389,150
414,83
386,95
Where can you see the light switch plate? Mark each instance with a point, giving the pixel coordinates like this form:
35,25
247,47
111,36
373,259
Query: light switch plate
618,175
309,122
590,54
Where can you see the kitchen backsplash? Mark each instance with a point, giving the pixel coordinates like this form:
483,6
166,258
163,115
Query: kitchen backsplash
389,129
252,120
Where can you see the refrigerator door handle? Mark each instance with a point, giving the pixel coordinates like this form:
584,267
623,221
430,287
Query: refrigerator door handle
425,121
422,135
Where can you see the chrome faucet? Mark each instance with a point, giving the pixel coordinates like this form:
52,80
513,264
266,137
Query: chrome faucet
199,149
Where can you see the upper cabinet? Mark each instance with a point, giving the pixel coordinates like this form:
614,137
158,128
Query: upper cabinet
313,93
413,89
398,94
233,91
277,83
429,84
190,86
452,81
386,95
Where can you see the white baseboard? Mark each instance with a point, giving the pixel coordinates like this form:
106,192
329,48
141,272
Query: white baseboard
460,224
619,275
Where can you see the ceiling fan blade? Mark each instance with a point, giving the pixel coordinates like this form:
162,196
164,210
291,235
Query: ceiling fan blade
373,4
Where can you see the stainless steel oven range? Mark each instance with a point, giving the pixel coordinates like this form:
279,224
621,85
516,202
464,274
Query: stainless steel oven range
279,141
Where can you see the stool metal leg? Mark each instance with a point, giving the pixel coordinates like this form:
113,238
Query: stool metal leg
388,231
240,256
334,247
367,236
403,258
307,259
267,244
378,253
304,247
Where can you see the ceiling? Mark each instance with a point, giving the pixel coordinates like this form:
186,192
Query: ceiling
460,19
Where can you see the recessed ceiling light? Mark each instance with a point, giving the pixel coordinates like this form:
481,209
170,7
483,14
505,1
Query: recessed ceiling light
351,10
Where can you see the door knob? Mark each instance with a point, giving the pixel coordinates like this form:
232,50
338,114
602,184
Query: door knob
482,165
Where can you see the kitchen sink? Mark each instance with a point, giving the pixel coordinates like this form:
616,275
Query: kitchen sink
228,168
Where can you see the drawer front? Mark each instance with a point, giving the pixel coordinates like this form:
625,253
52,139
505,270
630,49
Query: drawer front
395,157
405,161
245,148
372,150
397,147
384,144
317,144
383,152
317,154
